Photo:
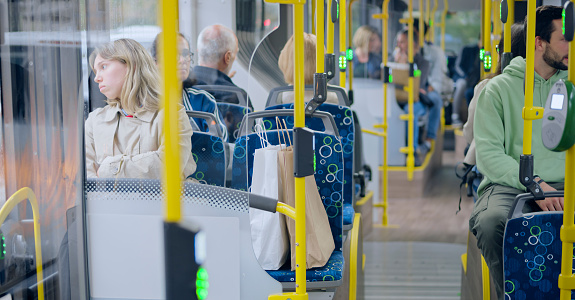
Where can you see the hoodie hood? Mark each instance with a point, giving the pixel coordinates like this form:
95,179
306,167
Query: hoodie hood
516,68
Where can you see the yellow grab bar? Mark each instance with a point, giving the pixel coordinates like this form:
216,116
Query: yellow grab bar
171,95
421,28
21,195
330,29
443,16
320,31
342,35
432,22
507,27
410,163
529,77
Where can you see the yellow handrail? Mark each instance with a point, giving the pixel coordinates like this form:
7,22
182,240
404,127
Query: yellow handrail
299,121
410,163
171,94
432,21
384,172
566,278
443,15
349,43
507,27
21,195
427,9
496,36
486,284
421,25
529,77
330,30
320,32
342,38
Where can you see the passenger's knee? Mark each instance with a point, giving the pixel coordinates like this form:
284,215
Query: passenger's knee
489,227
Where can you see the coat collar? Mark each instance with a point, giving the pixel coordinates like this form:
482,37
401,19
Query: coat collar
145,116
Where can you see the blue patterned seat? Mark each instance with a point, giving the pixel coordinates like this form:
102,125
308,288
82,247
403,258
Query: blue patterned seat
328,177
344,121
233,115
532,256
209,152
332,271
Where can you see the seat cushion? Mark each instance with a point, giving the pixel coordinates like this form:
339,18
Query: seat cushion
532,256
332,271
348,213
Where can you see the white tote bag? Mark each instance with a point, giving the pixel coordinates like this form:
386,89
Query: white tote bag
269,232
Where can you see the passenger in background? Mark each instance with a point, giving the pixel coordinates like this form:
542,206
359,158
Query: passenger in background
286,64
125,138
367,53
193,99
467,75
517,49
400,55
498,131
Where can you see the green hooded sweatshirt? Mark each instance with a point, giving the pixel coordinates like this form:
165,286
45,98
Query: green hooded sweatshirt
498,129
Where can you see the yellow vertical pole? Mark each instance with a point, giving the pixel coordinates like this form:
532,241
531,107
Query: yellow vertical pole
410,163
566,276
496,35
313,17
482,37
320,33
443,16
529,77
485,283
349,43
432,22
427,9
507,29
342,38
384,55
171,95
330,29
421,28
299,120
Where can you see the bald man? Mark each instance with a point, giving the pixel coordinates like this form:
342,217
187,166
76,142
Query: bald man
217,51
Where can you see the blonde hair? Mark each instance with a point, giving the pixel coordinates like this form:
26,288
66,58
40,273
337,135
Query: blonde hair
286,59
141,89
362,36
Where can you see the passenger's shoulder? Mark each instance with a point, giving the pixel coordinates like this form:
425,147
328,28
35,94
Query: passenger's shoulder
199,93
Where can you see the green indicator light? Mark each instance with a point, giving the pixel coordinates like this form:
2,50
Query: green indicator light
202,284
390,78
481,54
563,21
342,62
314,162
500,11
349,54
417,73
431,23
487,62
337,10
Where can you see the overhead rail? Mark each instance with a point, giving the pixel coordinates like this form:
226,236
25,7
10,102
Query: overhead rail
566,278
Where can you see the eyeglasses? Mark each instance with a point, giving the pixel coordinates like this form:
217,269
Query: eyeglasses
186,55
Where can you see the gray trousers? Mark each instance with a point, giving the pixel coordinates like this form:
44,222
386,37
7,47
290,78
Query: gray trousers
487,223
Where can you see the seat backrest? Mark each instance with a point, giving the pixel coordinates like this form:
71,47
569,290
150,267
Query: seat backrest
343,117
226,94
532,253
275,96
233,115
209,152
328,176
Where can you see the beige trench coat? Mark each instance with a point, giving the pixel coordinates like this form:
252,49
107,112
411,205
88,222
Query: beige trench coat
145,158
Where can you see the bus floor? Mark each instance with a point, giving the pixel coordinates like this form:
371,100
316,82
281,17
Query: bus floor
421,258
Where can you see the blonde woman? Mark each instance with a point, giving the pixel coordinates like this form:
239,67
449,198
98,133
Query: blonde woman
286,64
367,53
125,138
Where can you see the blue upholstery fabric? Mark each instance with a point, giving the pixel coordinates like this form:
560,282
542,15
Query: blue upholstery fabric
344,121
332,271
348,213
210,158
532,256
233,115
328,176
